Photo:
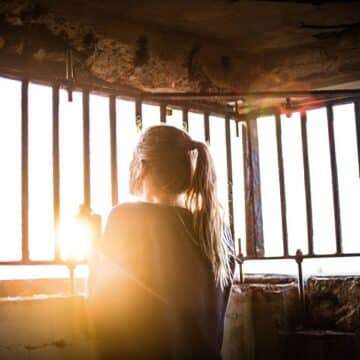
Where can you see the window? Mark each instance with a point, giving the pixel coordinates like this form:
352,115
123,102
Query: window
270,190
77,182
41,205
10,180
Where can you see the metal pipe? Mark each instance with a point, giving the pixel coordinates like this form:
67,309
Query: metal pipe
25,169
301,291
138,115
307,183
236,95
240,259
245,258
86,148
56,167
334,177
162,113
282,184
185,120
229,175
357,124
206,128
305,256
71,265
113,147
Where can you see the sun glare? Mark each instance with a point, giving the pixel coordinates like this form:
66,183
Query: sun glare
75,240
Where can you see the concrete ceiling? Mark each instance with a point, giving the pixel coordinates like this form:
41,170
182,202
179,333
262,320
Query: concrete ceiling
186,46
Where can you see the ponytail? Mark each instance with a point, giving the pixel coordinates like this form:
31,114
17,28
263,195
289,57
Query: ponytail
201,199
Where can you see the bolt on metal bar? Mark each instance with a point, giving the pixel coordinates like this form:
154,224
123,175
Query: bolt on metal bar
334,177
307,183
357,124
229,175
25,169
240,259
162,113
138,115
86,147
282,184
185,120
206,128
56,167
113,147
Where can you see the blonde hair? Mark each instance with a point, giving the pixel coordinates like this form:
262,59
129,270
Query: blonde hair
179,165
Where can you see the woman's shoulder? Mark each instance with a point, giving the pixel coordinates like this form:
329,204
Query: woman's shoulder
140,211
127,209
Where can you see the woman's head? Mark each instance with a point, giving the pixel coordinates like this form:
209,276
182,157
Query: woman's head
167,163
162,163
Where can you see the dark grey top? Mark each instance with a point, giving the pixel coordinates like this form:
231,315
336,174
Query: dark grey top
153,291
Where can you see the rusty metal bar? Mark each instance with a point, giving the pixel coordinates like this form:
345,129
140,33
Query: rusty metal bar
245,258
245,171
86,147
254,223
162,113
282,184
185,119
236,95
307,183
56,167
138,115
334,177
240,260
307,256
113,147
229,175
357,124
301,290
206,128
25,169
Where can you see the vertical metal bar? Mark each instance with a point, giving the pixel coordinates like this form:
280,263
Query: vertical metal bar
25,170
254,223
162,113
282,184
229,175
86,139
245,175
307,184
241,260
185,120
357,124
113,148
138,115
334,176
206,128
56,168
301,291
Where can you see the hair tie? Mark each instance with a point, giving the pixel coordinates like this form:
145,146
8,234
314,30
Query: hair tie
194,145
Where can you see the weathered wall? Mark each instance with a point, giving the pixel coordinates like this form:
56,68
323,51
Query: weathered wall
44,328
334,302
261,323
111,49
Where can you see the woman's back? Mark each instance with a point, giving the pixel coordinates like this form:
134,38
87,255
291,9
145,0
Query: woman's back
153,291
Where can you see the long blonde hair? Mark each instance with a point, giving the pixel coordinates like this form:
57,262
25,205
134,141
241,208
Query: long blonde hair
179,165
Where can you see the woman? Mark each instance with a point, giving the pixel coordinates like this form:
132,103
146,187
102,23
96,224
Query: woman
163,275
